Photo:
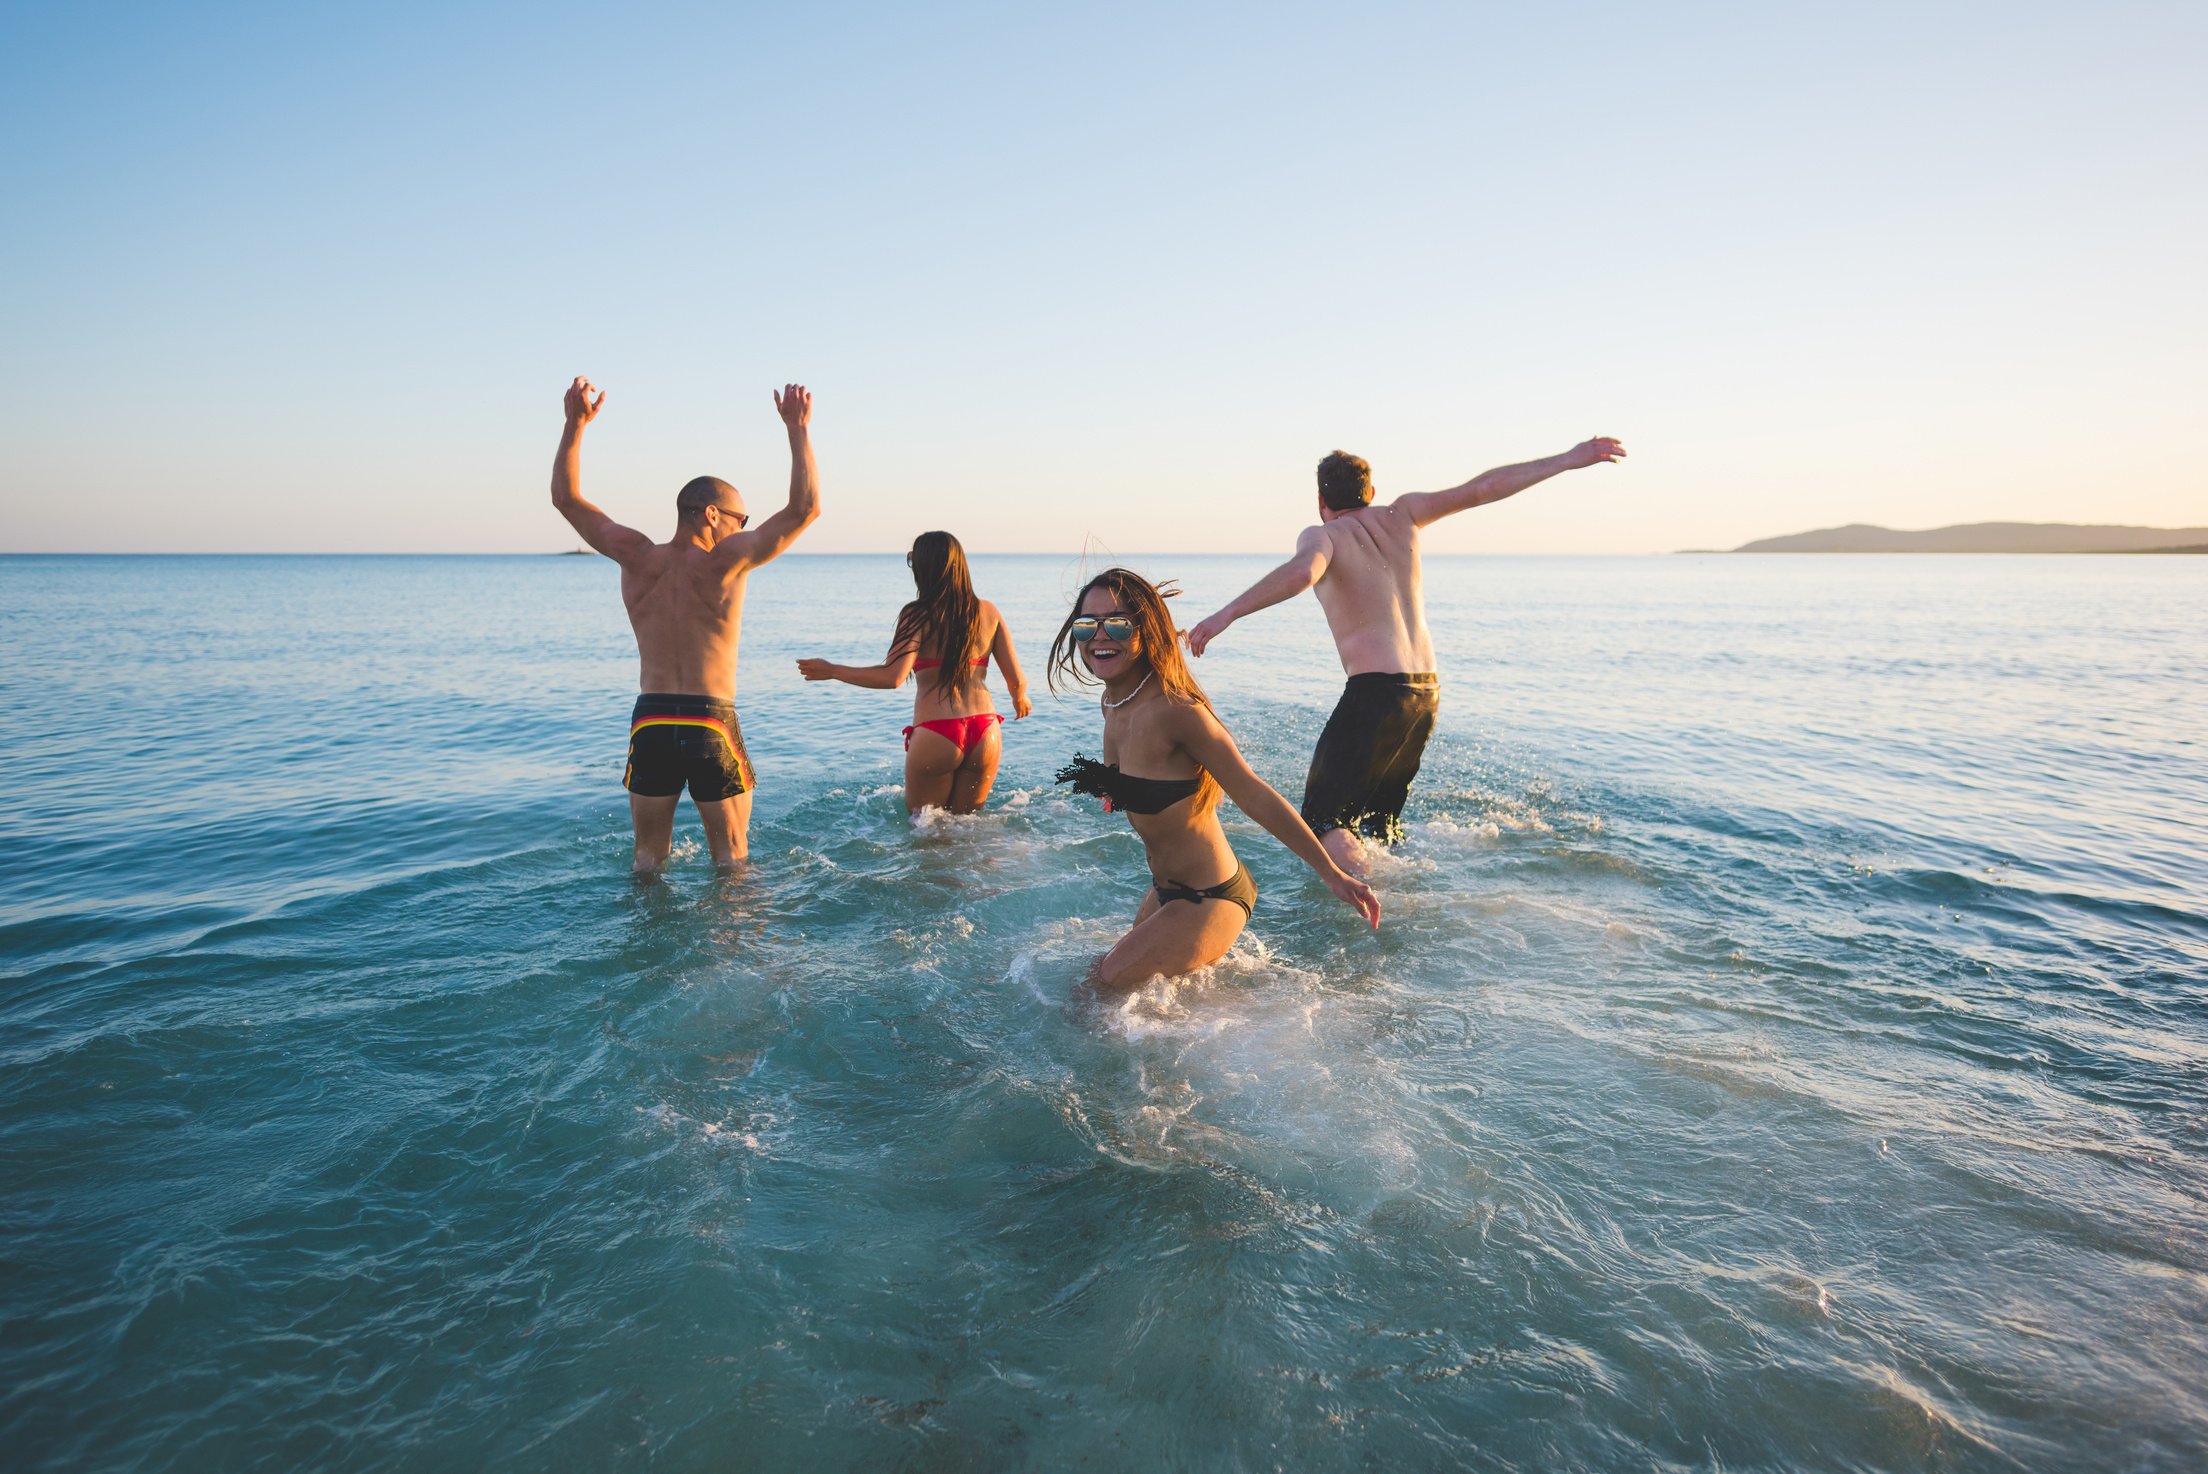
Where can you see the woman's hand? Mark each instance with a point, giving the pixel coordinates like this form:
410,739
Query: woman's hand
1021,706
1357,893
815,669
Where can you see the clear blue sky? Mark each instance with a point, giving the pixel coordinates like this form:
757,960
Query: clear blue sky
298,279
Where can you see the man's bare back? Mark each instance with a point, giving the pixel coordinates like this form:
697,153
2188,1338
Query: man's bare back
1363,560
1370,591
686,605
685,599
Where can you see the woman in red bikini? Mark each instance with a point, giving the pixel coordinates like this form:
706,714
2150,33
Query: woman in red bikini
1166,762
947,635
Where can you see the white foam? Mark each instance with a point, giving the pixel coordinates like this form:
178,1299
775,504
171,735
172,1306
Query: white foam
724,1133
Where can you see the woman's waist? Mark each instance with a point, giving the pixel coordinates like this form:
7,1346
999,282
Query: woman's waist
1185,854
936,706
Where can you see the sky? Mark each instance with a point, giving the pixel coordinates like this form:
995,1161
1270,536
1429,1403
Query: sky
301,278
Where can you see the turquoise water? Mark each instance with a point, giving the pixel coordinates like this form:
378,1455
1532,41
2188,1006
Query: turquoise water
1785,1047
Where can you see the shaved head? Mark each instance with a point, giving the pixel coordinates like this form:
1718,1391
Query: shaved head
706,491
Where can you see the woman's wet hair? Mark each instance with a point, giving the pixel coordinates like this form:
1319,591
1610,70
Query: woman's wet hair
1144,603
946,617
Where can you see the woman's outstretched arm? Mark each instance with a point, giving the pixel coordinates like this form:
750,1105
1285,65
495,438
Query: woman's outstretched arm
1200,735
887,676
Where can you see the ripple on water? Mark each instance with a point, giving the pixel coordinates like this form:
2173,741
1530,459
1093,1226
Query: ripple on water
1781,1051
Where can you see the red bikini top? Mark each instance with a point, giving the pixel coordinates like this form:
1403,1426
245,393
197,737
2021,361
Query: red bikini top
979,662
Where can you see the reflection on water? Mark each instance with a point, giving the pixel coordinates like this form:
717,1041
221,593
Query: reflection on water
1784,1048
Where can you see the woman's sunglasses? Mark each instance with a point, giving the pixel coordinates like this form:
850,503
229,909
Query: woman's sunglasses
1116,628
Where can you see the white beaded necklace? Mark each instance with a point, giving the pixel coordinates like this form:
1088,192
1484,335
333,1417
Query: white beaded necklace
1131,695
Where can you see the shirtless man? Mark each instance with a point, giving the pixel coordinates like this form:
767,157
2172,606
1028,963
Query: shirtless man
686,602
1364,560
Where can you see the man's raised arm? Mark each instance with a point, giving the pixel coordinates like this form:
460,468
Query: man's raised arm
1492,486
597,529
1285,582
771,538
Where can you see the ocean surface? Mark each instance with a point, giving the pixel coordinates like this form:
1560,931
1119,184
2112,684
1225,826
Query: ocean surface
1786,1046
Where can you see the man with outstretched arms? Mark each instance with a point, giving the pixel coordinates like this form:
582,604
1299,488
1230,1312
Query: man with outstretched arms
686,602
1364,561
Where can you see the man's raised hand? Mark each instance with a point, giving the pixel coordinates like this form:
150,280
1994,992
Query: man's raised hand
581,408
1595,452
795,405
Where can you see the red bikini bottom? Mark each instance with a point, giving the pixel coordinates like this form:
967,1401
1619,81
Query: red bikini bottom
962,732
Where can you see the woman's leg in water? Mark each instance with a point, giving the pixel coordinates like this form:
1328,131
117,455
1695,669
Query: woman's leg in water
977,772
1169,939
931,762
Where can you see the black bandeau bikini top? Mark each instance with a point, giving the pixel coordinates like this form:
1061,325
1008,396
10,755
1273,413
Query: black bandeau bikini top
1124,790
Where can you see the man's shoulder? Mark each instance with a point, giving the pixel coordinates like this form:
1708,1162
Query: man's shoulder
1392,519
1377,522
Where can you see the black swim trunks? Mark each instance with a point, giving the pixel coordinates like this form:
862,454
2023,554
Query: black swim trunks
1238,888
1362,769
694,740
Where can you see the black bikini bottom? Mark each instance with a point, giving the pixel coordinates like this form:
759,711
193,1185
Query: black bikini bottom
1238,888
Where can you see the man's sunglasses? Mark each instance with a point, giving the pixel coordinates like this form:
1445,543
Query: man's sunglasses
1116,628
742,519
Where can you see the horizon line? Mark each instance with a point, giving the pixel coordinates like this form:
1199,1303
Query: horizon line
870,553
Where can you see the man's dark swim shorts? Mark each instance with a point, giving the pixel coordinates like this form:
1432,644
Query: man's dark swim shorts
1362,769
694,740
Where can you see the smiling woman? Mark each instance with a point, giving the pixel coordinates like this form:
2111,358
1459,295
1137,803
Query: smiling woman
1158,719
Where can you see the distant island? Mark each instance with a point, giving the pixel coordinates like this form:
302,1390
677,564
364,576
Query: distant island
1988,537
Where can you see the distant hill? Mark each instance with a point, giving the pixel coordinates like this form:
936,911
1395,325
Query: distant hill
1988,537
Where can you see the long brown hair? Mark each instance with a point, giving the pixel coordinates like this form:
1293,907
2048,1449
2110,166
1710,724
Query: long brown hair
946,618
1161,647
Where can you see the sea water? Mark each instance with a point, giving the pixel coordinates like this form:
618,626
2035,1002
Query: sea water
1785,1046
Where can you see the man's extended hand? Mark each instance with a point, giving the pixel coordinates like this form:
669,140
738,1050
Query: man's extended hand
1206,631
795,405
1594,452
581,408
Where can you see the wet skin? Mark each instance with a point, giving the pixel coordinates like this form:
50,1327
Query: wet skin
937,774
1151,734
